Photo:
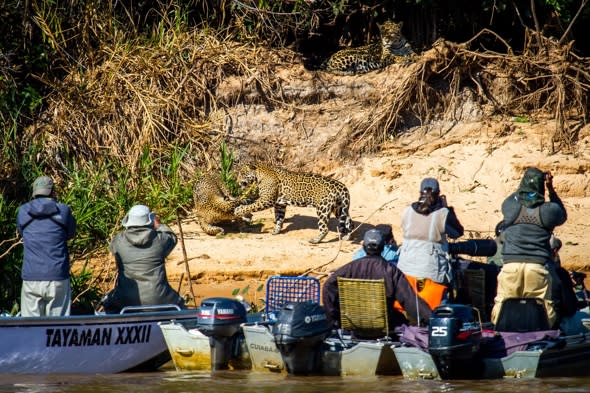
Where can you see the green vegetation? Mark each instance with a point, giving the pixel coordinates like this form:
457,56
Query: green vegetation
521,119
256,304
117,100
99,196
227,161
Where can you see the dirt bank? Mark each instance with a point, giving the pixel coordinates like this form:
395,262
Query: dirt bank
477,164
478,160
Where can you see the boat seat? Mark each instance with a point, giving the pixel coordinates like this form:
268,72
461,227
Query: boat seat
363,307
281,290
522,315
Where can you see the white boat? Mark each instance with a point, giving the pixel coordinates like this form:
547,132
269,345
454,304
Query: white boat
341,356
102,343
456,347
264,354
189,348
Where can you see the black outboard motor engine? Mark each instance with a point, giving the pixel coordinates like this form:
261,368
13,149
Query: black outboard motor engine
299,333
454,336
220,320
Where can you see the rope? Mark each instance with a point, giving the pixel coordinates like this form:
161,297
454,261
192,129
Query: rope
340,238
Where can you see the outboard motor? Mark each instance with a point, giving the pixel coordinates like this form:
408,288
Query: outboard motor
299,333
220,320
453,341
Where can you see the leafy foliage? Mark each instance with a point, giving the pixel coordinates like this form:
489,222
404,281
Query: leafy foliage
85,295
256,304
227,159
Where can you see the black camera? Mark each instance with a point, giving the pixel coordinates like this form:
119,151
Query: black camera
474,247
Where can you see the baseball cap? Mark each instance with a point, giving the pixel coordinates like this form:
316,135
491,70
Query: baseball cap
42,186
429,182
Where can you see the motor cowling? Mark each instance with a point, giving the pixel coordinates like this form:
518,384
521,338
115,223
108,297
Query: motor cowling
299,333
454,335
220,319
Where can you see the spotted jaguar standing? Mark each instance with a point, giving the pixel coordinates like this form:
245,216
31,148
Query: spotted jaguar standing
393,48
214,203
277,187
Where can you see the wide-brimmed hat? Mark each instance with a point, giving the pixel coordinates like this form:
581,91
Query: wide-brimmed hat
138,216
42,186
429,182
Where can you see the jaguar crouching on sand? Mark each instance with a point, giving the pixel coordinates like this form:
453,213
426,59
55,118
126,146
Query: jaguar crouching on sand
279,187
214,203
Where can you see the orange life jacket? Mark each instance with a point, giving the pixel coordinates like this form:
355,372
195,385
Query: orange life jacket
432,292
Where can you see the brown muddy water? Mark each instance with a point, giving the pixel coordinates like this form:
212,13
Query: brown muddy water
248,381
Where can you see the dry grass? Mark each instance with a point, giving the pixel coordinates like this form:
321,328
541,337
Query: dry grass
546,79
154,95
151,96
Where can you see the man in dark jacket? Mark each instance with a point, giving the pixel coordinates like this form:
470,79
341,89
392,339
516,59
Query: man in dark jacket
565,300
529,221
140,252
45,226
373,267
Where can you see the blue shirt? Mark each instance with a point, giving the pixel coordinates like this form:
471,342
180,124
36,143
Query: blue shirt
389,253
45,226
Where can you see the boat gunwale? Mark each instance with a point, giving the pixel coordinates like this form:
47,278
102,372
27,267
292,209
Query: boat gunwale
98,319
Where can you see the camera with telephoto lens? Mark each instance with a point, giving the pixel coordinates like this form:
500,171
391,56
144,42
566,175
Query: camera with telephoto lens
474,247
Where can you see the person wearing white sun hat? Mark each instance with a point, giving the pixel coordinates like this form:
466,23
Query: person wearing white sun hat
140,253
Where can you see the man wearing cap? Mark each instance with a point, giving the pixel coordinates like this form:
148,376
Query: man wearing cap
140,253
45,226
426,225
389,252
374,267
529,221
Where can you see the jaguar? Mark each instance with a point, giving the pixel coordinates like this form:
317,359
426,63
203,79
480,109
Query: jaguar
214,204
279,187
393,48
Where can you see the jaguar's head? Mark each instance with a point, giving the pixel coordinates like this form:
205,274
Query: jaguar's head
391,34
246,175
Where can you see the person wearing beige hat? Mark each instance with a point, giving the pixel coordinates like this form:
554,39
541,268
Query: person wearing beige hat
140,253
45,226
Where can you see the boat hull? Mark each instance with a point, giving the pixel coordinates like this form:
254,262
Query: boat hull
338,357
571,360
189,348
86,344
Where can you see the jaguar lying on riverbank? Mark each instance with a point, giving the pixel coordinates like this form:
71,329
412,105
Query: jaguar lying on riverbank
392,48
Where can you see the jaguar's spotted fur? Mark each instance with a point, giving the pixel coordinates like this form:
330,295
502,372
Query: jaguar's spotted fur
393,48
214,203
279,187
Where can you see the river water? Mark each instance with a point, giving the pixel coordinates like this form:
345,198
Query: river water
260,382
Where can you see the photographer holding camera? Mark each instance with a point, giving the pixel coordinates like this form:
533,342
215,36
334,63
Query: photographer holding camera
529,223
140,252
427,224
